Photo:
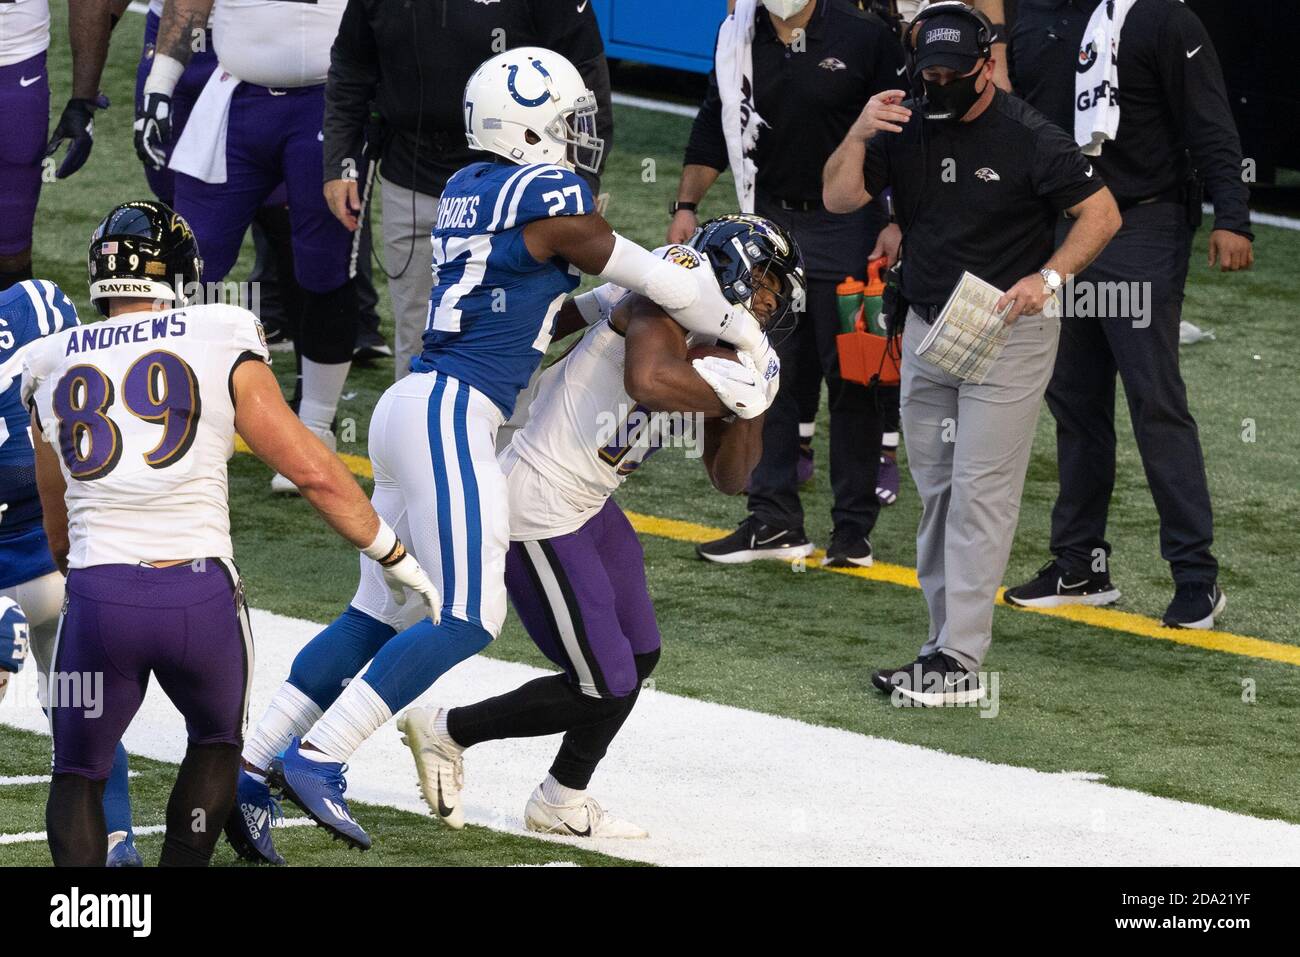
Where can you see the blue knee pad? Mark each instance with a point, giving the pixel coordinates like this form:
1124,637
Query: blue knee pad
335,656
409,664
117,795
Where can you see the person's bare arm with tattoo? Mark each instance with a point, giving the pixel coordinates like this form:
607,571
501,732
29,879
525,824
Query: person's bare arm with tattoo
183,22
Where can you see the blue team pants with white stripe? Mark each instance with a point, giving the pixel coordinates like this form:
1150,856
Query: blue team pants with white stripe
438,484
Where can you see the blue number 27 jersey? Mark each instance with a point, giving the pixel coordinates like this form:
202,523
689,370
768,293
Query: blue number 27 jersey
492,308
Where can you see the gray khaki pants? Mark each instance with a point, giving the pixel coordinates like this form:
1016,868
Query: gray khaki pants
408,258
968,450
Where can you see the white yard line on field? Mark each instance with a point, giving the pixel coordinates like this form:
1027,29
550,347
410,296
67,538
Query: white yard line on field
720,785
38,837
19,779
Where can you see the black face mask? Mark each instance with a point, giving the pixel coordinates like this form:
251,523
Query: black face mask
951,101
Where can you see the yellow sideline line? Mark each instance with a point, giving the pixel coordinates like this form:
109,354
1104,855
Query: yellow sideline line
1108,618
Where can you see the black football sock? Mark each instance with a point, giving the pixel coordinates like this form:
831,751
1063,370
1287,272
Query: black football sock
201,800
583,748
542,706
74,821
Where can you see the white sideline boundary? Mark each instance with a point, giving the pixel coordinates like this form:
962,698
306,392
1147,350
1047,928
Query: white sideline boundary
718,785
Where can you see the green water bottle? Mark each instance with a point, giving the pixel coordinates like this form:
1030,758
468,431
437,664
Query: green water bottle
848,299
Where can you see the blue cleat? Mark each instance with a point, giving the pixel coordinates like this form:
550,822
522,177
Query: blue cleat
317,787
248,828
122,852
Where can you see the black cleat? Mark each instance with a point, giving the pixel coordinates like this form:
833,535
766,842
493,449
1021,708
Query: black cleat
1053,586
848,550
754,540
1195,604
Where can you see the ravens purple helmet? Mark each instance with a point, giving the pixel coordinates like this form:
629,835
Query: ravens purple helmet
746,253
142,250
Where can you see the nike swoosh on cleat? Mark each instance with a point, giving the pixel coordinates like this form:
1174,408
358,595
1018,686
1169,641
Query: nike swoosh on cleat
949,683
768,541
1063,585
443,810
575,832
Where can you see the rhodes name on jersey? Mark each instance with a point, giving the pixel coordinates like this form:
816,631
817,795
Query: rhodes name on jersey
139,409
584,435
29,310
492,308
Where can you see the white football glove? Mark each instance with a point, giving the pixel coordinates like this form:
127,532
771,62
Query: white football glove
738,385
402,571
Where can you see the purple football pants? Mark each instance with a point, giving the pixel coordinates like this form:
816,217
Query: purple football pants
583,599
25,108
273,137
186,624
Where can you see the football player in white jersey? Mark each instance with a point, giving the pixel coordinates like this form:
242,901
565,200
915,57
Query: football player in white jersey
575,572
135,418
512,236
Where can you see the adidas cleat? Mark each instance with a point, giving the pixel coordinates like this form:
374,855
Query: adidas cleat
317,787
439,765
248,828
584,818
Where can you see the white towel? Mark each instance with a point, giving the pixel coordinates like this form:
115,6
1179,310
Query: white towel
1096,87
734,66
201,150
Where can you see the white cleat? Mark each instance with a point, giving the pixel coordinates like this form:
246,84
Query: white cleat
281,485
439,765
586,818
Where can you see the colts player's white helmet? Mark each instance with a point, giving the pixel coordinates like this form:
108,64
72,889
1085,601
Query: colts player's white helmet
530,105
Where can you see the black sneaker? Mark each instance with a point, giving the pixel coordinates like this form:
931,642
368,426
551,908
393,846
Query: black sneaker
754,540
370,347
1053,586
848,550
933,681
1195,604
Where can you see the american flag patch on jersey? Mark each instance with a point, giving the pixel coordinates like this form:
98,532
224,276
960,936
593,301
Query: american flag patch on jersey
108,249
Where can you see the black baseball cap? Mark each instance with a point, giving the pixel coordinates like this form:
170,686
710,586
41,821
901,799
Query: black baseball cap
950,40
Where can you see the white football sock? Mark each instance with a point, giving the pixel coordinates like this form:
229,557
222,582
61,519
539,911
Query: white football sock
807,430
440,729
889,440
556,793
289,715
322,385
357,714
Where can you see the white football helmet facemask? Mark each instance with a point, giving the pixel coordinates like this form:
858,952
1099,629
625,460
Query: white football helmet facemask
530,105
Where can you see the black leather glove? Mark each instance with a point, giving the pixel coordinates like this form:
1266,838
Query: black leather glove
153,130
77,129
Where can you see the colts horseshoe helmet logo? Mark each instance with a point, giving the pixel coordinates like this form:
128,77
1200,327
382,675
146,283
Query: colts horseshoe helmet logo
520,98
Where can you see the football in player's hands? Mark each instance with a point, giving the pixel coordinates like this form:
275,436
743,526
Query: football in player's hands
717,351
736,381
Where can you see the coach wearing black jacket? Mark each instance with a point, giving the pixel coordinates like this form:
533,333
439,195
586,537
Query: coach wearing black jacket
1173,117
407,62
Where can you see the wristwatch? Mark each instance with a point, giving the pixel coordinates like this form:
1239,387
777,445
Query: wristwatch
676,205
1053,280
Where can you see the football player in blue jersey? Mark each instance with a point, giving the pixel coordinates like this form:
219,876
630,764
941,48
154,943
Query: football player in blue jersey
29,311
513,235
